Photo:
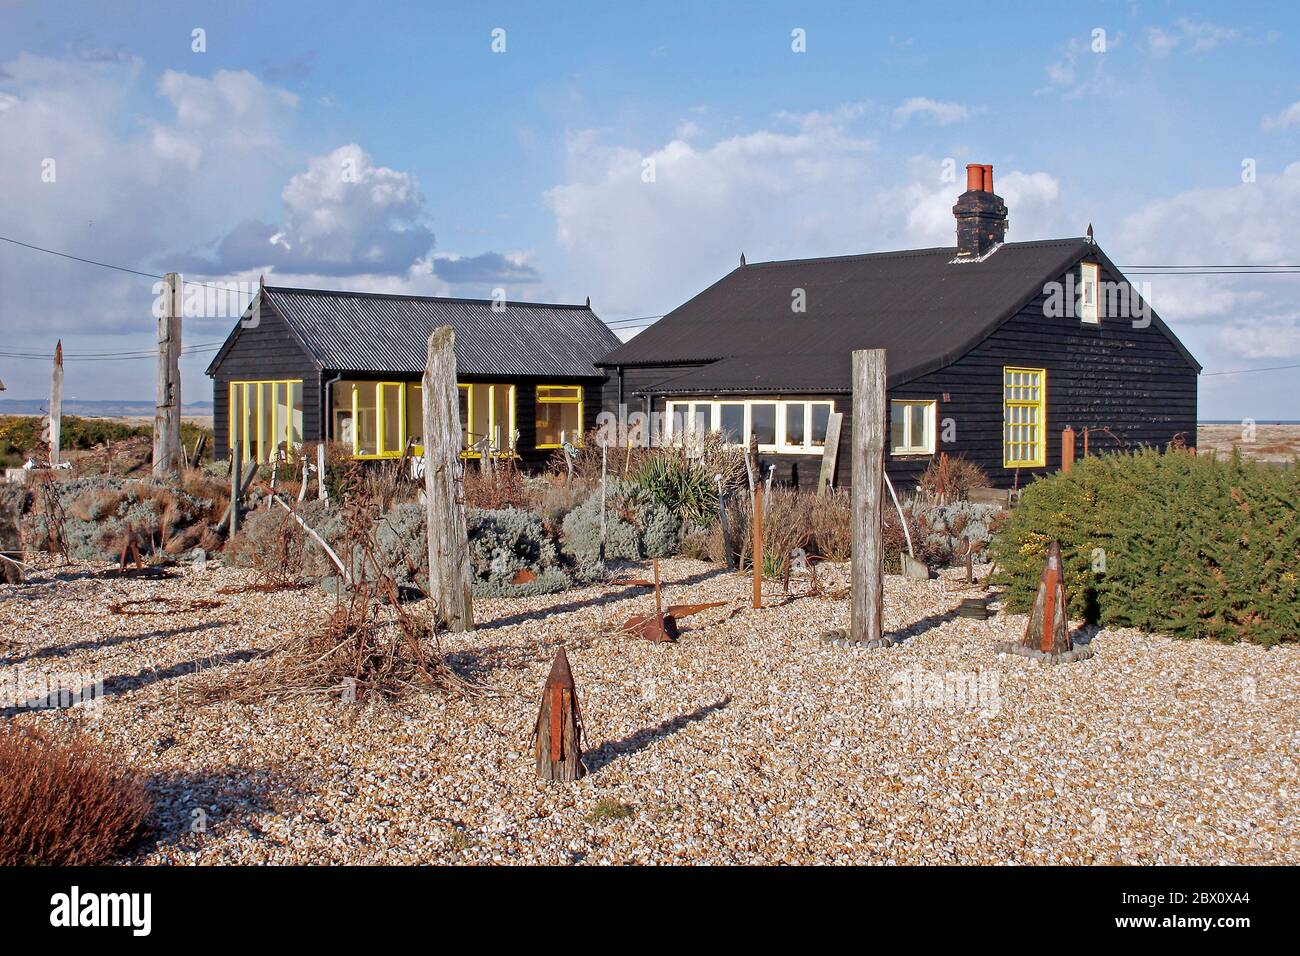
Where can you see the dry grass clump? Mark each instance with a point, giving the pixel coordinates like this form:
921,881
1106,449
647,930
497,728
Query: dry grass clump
787,525
274,545
948,479
831,518
496,487
62,803
370,647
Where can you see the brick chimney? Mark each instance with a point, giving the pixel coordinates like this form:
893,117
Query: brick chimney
981,215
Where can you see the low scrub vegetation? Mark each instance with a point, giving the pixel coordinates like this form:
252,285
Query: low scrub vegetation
62,803
1169,542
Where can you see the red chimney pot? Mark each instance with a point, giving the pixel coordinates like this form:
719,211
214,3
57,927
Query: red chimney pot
974,177
988,178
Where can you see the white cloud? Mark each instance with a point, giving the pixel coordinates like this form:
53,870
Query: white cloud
771,194
1271,337
1247,224
934,111
1193,36
1285,119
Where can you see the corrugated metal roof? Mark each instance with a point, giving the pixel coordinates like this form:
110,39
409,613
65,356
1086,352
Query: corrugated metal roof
920,305
369,332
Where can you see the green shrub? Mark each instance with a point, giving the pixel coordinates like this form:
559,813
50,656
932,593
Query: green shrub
1170,542
508,541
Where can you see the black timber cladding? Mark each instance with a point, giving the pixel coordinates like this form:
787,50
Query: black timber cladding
260,349
1134,380
317,336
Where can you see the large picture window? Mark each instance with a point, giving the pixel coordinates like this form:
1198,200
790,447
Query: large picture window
266,419
559,415
1024,417
377,419
487,412
786,426
911,427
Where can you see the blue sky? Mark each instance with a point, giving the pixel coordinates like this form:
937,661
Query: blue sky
524,169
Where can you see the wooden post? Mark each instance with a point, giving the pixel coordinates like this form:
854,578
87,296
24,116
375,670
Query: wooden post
1085,441
1067,448
757,548
56,405
1048,630
321,492
557,735
236,485
869,413
167,413
450,575
722,520
603,463
830,452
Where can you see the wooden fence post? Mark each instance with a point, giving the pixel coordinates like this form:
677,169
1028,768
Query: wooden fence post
321,492
167,413
450,575
830,452
869,410
1067,448
56,405
757,549
236,484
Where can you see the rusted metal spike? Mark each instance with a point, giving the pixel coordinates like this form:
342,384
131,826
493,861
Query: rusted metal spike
686,610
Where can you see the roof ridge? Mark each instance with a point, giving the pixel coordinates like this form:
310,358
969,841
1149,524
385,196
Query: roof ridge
425,298
911,253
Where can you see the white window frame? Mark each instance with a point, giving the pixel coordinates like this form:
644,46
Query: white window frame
686,406
909,447
1090,278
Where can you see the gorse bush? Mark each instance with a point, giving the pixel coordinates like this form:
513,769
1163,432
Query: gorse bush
1170,542
62,803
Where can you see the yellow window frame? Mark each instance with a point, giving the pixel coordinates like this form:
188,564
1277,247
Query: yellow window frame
1024,405
381,419
573,395
468,426
243,410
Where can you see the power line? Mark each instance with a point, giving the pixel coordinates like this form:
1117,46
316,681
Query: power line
1240,371
109,265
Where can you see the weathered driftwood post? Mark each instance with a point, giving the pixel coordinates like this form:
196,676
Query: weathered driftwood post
604,460
236,484
450,575
722,520
1047,635
1048,629
830,452
869,409
56,405
758,545
167,412
321,493
557,736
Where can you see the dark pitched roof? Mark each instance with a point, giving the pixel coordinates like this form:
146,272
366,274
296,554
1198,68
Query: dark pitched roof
924,308
372,332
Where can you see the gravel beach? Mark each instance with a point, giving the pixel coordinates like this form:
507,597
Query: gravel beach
750,740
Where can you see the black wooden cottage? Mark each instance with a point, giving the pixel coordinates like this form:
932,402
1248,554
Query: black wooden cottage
994,348
304,365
